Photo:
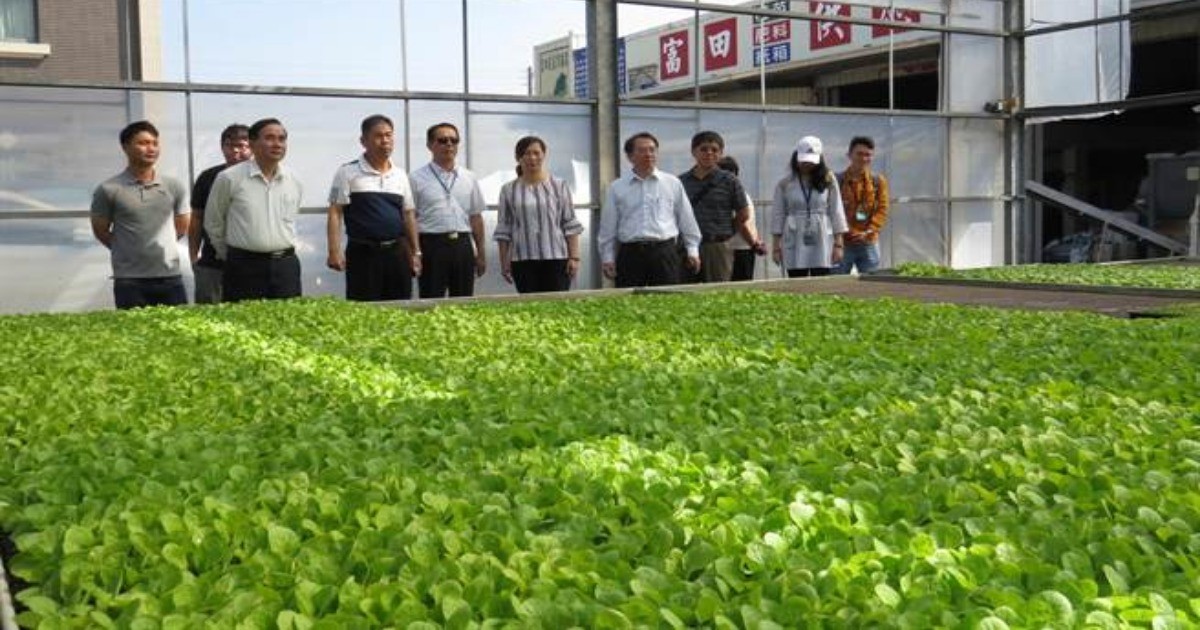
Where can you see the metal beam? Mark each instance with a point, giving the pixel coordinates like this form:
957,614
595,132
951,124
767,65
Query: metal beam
1190,97
1108,217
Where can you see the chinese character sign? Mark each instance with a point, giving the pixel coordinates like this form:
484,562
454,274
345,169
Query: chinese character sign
674,60
773,32
894,15
828,34
720,44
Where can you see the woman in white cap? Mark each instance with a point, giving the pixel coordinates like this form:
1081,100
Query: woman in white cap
807,220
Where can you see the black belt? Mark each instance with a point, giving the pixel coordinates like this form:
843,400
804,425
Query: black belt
646,244
365,242
446,236
715,238
237,252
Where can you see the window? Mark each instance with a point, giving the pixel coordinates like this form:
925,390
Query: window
17,21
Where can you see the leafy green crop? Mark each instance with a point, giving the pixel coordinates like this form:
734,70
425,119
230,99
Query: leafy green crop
721,460
1156,276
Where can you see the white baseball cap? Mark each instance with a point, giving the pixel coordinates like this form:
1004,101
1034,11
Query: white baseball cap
808,149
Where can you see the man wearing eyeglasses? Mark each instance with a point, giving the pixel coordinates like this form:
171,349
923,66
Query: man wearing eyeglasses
449,218
235,147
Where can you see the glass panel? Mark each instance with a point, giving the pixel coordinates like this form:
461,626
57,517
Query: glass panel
17,21
914,233
976,67
300,42
433,30
976,234
57,144
54,265
977,164
913,157
1080,66
316,279
496,127
536,59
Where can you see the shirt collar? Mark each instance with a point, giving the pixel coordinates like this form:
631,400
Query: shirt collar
256,170
633,176
130,179
365,165
438,169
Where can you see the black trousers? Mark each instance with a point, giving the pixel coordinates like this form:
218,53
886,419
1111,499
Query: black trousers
743,265
260,276
137,292
377,271
809,272
540,276
447,265
648,264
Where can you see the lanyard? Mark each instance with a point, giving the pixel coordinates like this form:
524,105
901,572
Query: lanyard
807,192
446,188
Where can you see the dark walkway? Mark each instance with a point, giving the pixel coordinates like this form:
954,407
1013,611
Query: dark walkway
1117,302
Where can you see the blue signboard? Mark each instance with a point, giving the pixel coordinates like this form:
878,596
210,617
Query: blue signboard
776,53
581,73
622,79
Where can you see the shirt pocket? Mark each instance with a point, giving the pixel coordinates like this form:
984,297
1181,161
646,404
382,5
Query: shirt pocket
659,208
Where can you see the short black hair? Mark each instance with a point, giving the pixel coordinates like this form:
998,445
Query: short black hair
727,163
708,137
638,136
235,132
866,141
134,128
431,133
369,123
258,126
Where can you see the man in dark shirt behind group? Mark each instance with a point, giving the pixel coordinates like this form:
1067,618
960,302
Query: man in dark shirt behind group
235,146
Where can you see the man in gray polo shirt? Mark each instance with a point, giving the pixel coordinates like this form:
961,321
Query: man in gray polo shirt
139,215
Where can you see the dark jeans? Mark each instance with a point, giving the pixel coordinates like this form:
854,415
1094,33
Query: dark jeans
378,271
648,264
540,276
261,276
448,264
809,272
743,265
138,292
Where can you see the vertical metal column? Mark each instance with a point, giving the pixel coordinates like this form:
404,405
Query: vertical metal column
602,85
1017,228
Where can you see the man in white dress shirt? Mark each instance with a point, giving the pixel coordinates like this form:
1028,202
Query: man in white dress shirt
251,220
644,214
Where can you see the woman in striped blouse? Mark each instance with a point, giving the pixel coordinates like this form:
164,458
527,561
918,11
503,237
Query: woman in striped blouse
536,230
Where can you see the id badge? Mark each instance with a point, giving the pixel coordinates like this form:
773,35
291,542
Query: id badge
810,232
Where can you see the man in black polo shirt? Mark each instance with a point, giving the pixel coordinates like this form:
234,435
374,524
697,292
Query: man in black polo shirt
374,200
206,267
719,203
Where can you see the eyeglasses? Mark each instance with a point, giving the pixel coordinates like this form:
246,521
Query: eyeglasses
446,140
